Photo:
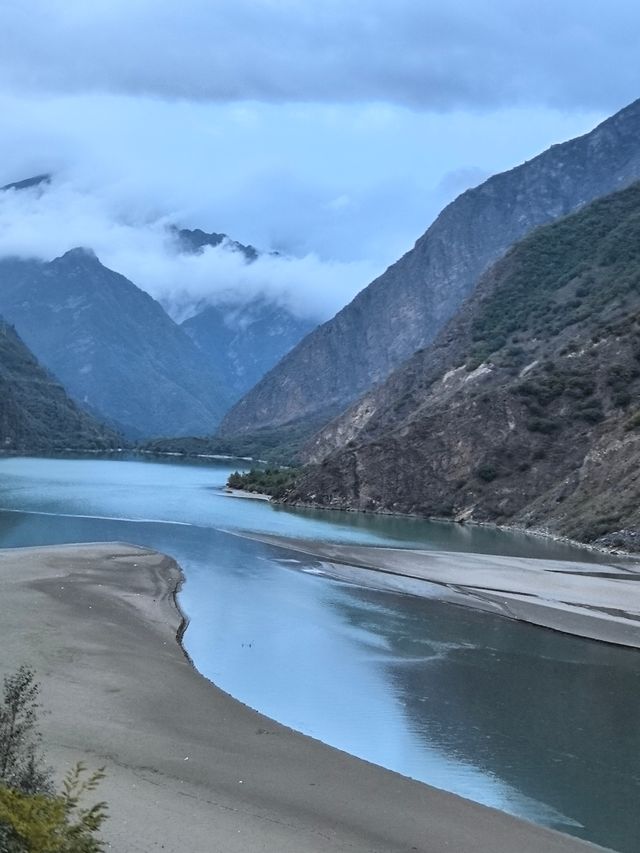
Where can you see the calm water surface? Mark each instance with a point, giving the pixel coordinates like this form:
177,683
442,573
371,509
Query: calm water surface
541,725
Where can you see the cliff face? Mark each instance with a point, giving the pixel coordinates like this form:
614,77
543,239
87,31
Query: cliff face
35,413
526,409
405,308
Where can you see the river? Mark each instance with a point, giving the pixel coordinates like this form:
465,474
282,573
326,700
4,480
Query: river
532,722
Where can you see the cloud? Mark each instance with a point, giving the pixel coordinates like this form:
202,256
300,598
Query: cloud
45,222
341,190
465,54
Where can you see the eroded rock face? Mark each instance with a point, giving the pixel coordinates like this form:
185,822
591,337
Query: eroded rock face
406,307
526,409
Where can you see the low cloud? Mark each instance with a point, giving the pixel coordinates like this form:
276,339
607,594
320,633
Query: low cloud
47,221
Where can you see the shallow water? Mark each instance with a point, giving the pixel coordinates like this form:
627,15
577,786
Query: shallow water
529,721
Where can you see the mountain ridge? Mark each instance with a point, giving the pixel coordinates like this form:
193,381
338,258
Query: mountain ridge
404,308
111,344
526,408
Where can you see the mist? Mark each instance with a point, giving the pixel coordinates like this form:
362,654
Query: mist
340,192
45,221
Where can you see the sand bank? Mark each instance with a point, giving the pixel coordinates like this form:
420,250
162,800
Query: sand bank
599,601
242,493
191,770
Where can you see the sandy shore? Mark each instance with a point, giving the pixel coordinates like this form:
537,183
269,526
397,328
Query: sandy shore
242,493
191,770
599,601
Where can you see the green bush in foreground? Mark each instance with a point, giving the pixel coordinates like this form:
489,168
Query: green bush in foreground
33,818
44,823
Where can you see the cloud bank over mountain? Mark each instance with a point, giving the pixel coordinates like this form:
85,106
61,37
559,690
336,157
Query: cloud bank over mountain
331,133
476,54
46,221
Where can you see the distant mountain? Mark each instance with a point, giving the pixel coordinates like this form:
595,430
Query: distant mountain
405,308
245,341
27,183
114,348
195,241
35,413
526,409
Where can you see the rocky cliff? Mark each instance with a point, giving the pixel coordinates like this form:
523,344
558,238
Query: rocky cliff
36,416
526,409
406,307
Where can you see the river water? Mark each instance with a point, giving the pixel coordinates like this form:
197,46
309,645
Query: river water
532,722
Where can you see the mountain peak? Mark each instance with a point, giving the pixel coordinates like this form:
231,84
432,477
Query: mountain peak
79,254
27,183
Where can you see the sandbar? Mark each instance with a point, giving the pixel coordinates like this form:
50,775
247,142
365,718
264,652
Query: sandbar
591,600
189,769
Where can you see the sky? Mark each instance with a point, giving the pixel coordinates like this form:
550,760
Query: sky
330,132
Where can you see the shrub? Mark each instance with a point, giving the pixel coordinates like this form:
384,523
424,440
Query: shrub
633,422
41,823
487,472
34,819
543,425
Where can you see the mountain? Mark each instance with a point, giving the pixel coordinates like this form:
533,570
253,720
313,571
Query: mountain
245,341
28,183
526,409
405,308
35,413
112,346
195,241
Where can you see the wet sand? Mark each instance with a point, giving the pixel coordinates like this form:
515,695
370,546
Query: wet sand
591,600
190,770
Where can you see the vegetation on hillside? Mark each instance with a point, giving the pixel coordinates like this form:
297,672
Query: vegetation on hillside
526,410
273,446
36,415
583,268
267,481
34,817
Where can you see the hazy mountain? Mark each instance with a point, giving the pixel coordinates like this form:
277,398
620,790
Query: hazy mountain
245,341
526,409
27,183
114,348
35,413
195,240
405,308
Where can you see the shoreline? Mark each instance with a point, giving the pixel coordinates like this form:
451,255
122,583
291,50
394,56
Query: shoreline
243,493
536,532
595,601
188,766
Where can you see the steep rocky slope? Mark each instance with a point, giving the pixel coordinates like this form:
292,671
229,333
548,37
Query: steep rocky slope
526,409
114,348
35,413
245,340
406,307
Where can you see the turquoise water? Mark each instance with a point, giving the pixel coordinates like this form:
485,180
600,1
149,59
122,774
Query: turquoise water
541,725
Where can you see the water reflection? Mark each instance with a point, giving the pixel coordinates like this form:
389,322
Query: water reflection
549,716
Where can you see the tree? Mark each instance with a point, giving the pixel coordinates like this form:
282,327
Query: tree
22,765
